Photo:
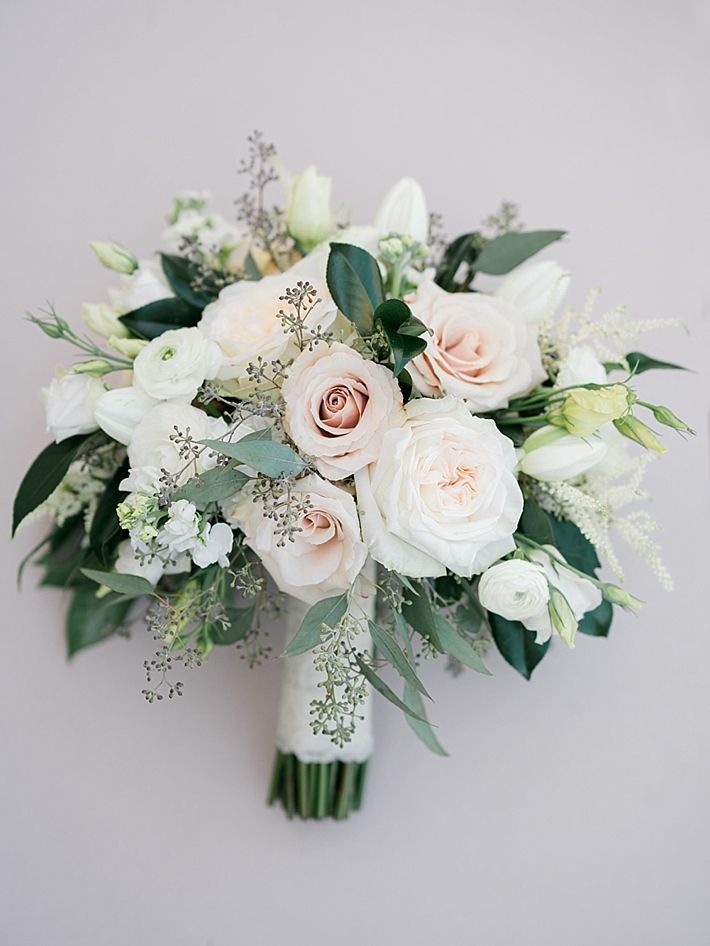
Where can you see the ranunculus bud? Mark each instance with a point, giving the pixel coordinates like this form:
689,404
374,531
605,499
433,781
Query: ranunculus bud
308,214
585,410
115,257
635,429
404,210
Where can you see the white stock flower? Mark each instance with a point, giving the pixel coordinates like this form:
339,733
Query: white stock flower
581,594
147,284
480,348
174,365
550,453
308,214
69,405
515,589
143,566
180,530
580,366
535,289
442,493
152,444
213,545
404,210
120,410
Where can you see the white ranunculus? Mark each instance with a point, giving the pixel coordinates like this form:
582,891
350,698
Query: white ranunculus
581,594
69,405
536,289
151,444
552,454
128,563
147,284
308,214
442,493
104,320
244,320
515,589
213,545
580,366
174,365
479,348
119,411
404,210
327,554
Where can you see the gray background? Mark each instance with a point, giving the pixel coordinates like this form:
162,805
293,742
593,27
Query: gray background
573,810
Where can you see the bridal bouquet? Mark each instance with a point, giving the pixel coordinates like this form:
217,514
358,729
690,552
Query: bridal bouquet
359,427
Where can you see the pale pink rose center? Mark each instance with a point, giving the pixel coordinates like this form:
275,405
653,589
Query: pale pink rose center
341,407
319,527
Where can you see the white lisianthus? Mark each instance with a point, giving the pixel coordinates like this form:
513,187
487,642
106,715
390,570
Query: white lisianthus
213,545
535,289
550,453
145,285
308,215
69,405
174,365
515,589
580,366
442,493
479,348
580,596
119,411
152,444
103,319
404,210
143,566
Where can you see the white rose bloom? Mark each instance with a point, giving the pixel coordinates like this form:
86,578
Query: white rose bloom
147,284
580,366
442,493
308,214
174,365
581,594
70,403
128,564
213,545
516,589
404,210
151,445
325,557
535,289
480,348
244,320
550,453
119,411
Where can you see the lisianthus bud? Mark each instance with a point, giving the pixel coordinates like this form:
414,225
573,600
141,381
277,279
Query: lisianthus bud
585,410
130,347
550,453
103,319
96,367
404,210
615,595
562,616
115,257
308,214
635,429
666,417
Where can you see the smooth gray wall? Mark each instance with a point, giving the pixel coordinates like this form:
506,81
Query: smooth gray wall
573,810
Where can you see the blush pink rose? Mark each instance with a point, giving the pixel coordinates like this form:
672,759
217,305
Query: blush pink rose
339,407
480,349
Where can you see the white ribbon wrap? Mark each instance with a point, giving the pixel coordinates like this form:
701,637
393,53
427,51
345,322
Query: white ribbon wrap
300,686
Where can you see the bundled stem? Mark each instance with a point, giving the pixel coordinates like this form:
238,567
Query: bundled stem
316,790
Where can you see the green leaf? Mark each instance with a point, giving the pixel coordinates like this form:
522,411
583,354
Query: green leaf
455,645
536,524
545,529
45,474
418,721
327,612
261,454
181,275
377,683
506,252
597,623
213,486
638,363
131,585
517,644
420,617
91,619
464,249
395,315
251,270
66,554
240,621
388,647
355,283
105,526
151,320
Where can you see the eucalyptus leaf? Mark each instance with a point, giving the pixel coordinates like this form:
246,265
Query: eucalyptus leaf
151,320
377,683
418,721
213,486
131,585
463,250
506,252
355,283
418,613
517,644
456,646
327,612
261,454
388,648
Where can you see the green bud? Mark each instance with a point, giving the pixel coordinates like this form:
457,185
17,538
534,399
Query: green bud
50,328
115,257
615,595
585,410
636,430
562,616
96,367
666,417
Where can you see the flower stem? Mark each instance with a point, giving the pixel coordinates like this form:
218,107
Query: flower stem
316,790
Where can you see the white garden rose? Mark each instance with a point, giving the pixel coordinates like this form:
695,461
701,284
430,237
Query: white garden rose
145,285
535,289
404,210
550,453
479,349
339,407
174,365
580,366
119,411
581,594
69,405
152,446
515,589
442,493
327,554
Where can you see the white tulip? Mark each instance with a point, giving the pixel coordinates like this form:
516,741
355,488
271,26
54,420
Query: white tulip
119,411
70,403
308,214
552,454
515,589
404,210
535,289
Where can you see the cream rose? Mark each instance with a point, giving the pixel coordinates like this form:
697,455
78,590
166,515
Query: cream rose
442,493
327,554
480,348
153,449
339,407
174,365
